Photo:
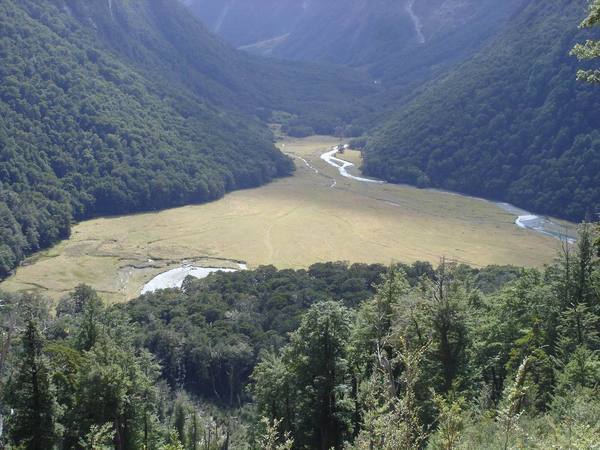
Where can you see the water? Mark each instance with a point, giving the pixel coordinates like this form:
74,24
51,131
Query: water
416,21
539,224
343,166
173,279
524,219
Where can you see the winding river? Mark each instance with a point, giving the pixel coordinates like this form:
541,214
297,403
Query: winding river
539,224
524,219
342,166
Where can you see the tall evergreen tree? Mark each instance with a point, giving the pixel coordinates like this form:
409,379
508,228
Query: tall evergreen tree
320,410
117,386
34,424
317,356
90,323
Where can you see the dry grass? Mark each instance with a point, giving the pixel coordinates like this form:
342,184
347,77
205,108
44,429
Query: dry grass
293,223
353,156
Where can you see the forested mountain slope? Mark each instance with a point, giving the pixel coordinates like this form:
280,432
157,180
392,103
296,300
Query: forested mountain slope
396,41
161,39
511,124
110,107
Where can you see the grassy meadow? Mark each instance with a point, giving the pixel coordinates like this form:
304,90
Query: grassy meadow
290,223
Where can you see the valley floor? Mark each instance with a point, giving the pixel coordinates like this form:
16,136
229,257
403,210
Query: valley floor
316,215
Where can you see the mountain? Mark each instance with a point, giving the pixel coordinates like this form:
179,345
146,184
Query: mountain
394,40
511,124
111,107
164,42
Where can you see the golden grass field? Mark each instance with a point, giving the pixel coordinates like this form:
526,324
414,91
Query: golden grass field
352,156
290,223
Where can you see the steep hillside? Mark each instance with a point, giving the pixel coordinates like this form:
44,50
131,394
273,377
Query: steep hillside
84,132
511,124
161,39
397,41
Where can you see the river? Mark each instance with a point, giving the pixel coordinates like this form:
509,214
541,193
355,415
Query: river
342,166
524,219
174,278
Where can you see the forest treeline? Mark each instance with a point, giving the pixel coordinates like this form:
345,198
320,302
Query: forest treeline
335,356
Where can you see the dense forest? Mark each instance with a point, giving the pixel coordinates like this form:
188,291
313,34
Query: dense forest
512,124
130,109
334,356
82,134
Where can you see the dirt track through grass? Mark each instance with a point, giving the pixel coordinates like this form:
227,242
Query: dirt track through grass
291,223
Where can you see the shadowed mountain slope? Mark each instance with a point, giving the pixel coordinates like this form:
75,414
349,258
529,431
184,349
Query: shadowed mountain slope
511,124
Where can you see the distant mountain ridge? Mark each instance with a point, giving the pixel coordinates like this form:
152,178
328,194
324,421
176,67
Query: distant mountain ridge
389,38
467,89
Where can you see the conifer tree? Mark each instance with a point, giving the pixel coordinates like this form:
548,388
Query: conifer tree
34,424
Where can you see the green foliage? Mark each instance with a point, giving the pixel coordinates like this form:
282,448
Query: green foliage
98,438
30,394
571,423
174,442
117,386
338,356
590,49
450,423
511,407
582,369
318,407
208,337
374,319
507,361
58,395
391,422
270,439
511,124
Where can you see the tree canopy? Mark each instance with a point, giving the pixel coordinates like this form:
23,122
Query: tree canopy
590,50
335,356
